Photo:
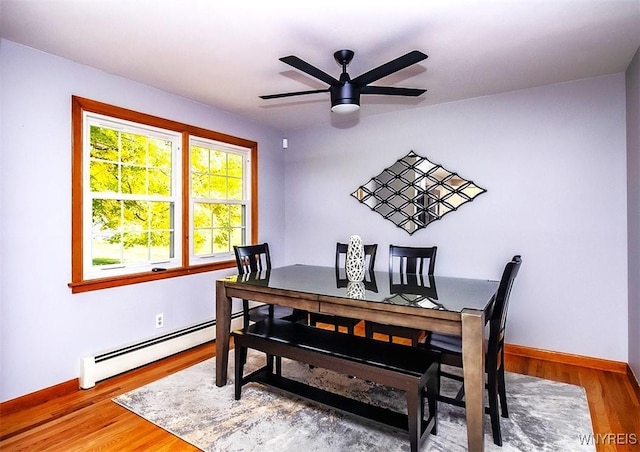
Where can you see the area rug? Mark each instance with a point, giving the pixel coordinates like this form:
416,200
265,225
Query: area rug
543,415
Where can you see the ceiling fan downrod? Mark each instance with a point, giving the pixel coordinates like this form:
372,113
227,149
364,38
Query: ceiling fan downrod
343,58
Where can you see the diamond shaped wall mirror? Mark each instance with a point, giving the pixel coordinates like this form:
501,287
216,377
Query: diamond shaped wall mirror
413,192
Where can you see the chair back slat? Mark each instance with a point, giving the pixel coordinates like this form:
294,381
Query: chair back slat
369,256
252,258
412,260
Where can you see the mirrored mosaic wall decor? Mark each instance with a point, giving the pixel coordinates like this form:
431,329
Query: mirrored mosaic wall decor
413,192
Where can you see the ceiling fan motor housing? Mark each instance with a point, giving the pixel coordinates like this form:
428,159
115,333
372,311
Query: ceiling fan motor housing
346,93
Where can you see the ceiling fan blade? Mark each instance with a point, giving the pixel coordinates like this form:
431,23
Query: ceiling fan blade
390,67
309,69
298,93
391,91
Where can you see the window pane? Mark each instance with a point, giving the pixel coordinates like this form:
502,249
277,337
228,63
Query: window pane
237,236
160,153
200,185
218,188
235,188
199,159
236,216
106,215
106,248
105,253
160,182
133,149
103,177
136,247
161,215
136,216
134,180
202,216
161,246
235,165
104,143
202,242
220,215
218,162
221,241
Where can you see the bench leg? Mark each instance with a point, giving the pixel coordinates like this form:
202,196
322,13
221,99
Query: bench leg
415,415
240,358
269,358
433,390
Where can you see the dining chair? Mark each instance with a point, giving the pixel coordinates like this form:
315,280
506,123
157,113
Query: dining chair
340,264
256,258
450,349
408,262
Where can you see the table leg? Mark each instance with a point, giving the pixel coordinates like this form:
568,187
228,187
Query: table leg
473,368
223,329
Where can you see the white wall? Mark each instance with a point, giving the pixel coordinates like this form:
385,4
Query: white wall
553,162
44,329
633,184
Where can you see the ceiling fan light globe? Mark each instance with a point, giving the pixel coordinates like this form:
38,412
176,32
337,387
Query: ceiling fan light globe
344,109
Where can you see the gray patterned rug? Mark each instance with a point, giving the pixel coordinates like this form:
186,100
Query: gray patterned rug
543,415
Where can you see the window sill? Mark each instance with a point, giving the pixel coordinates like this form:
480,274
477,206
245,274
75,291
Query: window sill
117,281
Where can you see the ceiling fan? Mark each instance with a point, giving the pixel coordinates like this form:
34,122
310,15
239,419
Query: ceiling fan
345,92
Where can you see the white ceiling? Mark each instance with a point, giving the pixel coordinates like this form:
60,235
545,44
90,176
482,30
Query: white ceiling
225,53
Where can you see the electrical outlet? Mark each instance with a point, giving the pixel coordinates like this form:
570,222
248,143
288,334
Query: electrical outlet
159,320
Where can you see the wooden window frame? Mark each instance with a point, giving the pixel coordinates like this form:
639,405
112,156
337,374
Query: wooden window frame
80,105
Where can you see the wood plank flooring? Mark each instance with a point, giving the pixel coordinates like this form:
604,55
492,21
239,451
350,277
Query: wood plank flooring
87,420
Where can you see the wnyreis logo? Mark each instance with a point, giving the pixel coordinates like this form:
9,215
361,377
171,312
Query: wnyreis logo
609,439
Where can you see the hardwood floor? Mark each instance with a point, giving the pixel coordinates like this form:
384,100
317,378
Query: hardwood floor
613,402
87,420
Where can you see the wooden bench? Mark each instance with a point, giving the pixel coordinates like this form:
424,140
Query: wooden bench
411,369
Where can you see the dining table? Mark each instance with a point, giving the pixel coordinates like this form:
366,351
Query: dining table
444,304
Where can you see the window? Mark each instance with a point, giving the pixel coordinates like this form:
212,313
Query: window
218,198
153,198
131,196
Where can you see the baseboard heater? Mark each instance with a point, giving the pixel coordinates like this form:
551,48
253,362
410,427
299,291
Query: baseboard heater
98,367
